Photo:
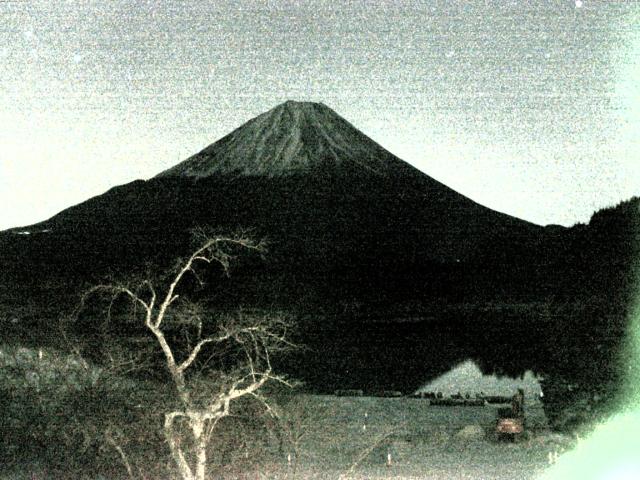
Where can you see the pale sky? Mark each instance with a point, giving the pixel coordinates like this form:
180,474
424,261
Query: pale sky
528,107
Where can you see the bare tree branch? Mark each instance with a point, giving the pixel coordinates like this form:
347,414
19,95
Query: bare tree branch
194,353
111,441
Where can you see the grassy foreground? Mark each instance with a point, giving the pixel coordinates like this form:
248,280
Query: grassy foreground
65,418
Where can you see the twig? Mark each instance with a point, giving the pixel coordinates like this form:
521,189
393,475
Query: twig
111,441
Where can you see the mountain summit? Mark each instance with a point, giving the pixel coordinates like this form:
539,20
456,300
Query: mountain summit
294,137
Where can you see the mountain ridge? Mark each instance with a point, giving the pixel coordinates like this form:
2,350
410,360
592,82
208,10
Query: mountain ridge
298,140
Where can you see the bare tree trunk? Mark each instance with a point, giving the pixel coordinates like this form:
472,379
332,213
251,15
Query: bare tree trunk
176,452
200,437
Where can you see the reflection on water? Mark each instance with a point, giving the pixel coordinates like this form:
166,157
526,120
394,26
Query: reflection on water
467,378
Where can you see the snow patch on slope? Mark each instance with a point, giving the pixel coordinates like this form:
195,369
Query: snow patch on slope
290,138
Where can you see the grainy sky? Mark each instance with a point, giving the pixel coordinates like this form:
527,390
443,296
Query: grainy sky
529,107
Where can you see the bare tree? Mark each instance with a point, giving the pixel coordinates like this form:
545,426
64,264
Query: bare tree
203,402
